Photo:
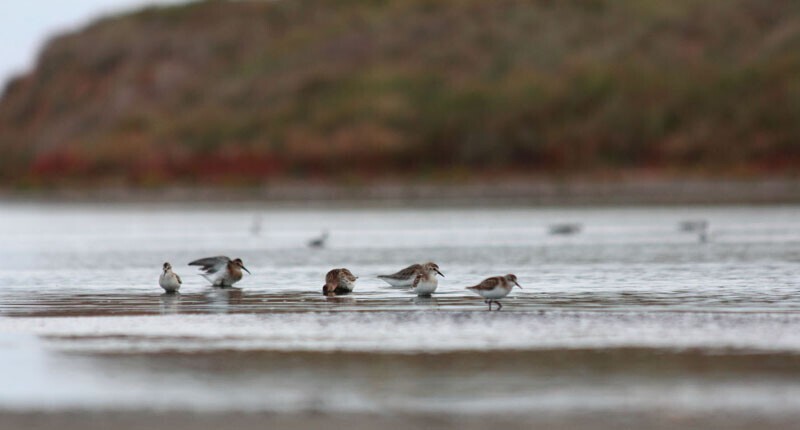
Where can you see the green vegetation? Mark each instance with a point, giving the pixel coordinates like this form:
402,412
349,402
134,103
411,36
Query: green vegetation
238,92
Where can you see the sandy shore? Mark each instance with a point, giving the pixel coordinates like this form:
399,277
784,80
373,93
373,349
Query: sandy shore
520,192
75,420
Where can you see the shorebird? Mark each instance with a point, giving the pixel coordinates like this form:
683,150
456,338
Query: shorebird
693,225
565,229
339,281
425,282
406,277
169,280
699,226
319,242
495,288
221,271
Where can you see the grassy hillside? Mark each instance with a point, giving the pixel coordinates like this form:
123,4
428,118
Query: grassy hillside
238,92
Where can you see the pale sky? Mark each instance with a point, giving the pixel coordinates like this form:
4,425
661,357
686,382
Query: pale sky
26,25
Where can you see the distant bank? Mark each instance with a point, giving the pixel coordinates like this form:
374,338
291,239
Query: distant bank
521,193
241,92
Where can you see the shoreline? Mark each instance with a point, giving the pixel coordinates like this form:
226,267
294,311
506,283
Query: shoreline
518,193
597,420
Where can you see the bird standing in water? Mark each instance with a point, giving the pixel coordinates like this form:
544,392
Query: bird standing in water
406,277
495,288
425,282
169,280
221,271
339,281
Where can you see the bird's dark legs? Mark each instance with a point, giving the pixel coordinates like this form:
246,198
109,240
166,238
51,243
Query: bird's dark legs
490,304
499,306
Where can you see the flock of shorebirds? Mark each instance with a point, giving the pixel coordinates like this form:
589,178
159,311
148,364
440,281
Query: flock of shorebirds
420,278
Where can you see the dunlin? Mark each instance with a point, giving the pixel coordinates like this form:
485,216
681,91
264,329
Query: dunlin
407,276
339,281
495,288
221,271
169,280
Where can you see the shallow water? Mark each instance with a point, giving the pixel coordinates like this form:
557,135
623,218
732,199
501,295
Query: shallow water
629,314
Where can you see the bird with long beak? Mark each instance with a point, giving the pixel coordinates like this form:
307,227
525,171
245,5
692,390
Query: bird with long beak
425,282
169,280
339,281
495,288
221,271
407,276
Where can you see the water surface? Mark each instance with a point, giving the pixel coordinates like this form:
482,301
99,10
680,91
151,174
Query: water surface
630,314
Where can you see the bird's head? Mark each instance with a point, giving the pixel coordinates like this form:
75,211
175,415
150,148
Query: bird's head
432,267
512,279
238,263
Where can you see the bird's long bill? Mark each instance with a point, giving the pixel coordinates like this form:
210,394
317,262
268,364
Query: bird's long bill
517,284
440,273
245,269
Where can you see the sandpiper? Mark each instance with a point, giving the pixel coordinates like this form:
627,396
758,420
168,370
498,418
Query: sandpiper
565,229
221,271
169,280
407,276
320,241
495,288
425,282
339,281
699,226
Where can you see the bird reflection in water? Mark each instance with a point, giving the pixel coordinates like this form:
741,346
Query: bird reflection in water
425,301
340,298
170,303
220,300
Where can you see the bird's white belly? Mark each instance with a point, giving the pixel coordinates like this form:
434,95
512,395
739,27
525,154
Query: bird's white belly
494,294
399,282
425,288
169,283
220,279
347,285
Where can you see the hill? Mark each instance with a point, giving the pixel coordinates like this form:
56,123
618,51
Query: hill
240,92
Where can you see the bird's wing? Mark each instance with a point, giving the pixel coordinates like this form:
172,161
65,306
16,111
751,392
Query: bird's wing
332,276
211,264
487,284
405,273
332,280
416,281
178,278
